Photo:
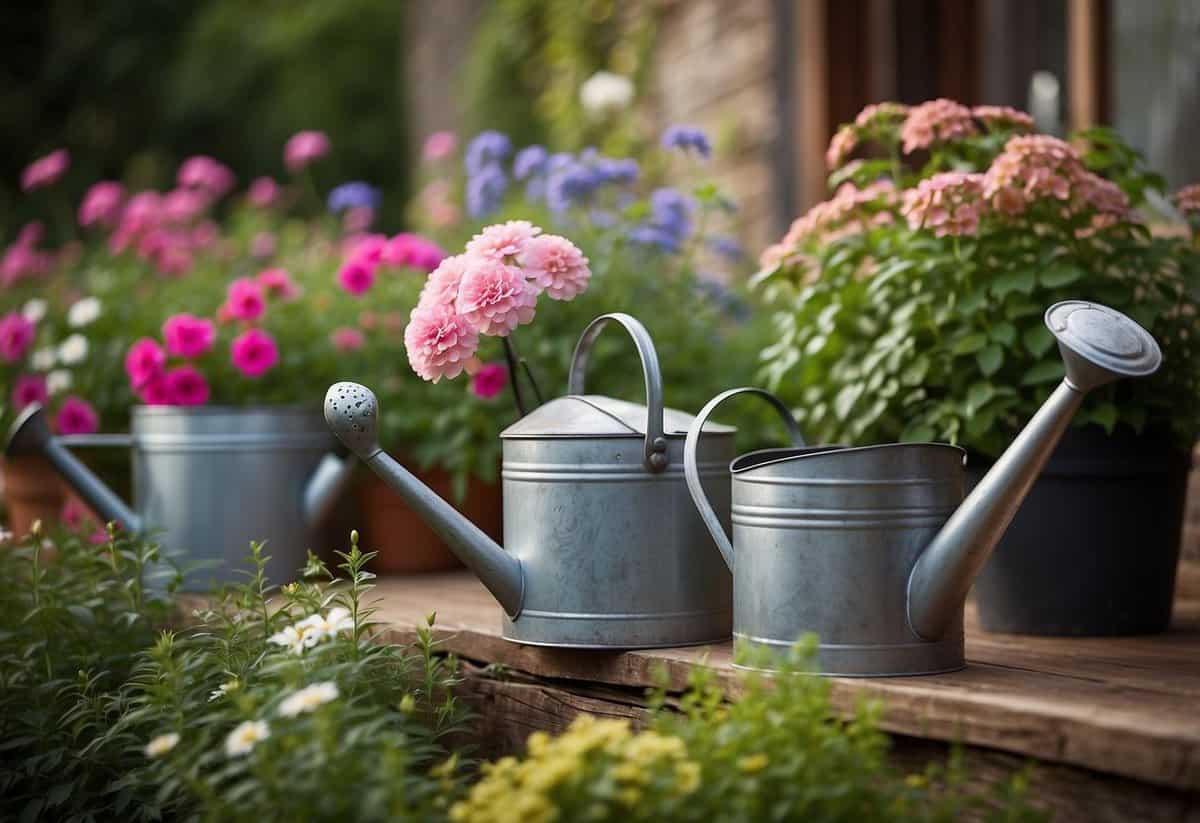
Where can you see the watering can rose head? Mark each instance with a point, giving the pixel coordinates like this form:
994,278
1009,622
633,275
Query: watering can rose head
490,289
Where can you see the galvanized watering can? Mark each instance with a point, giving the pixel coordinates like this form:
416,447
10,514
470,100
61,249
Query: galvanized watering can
208,480
874,549
602,546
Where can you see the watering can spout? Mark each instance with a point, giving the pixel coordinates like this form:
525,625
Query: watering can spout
325,485
1098,345
30,436
352,413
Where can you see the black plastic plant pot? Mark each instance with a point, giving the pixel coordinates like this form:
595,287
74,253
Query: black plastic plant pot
1094,548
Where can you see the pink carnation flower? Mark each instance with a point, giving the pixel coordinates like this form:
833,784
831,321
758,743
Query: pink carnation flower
937,121
76,416
357,277
101,204
439,342
439,145
205,174
245,299
949,203
144,363
28,389
503,241
556,265
186,386
254,352
278,283
263,192
303,148
45,171
188,336
441,289
347,339
16,336
496,297
489,381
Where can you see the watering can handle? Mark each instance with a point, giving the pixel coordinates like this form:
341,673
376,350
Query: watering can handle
655,455
691,470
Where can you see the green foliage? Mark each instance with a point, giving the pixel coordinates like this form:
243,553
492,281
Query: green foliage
777,752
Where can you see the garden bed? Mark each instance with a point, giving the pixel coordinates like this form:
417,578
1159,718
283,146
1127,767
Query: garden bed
1111,723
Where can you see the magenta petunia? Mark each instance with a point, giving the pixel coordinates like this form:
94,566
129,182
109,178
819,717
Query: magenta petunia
278,283
489,381
76,416
348,339
144,363
205,174
188,336
503,241
556,265
29,388
303,148
186,386
356,277
245,299
102,204
45,171
440,343
496,297
263,192
16,336
254,352
413,251
154,391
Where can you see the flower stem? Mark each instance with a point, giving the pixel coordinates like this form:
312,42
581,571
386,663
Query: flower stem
510,356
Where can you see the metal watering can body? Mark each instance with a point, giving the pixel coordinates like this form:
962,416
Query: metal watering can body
208,480
603,548
874,549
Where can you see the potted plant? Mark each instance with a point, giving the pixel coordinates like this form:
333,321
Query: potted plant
909,306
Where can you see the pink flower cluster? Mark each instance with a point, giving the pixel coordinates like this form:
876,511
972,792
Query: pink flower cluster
23,259
45,171
881,115
490,289
206,175
1003,118
303,148
850,211
371,252
841,146
102,204
1038,166
936,121
949,203
1187,199
16,336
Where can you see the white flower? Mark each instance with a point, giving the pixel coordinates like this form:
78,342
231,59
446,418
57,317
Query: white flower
58,381
308,699
34,310
247,734
83,312
605,92
43,359
73,350
338,620
297,638
161,745
223,689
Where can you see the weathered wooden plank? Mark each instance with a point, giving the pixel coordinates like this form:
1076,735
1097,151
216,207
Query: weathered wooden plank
1121,706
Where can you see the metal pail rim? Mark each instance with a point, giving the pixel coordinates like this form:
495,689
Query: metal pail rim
759,459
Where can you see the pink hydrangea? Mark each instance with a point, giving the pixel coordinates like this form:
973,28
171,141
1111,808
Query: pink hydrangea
496,297
144,363
263,192
556,265
205,174
412,251
356,276
348,339
439,145
489,381
303,148
102,204
1003,118
1187,199
16,336
186,386
28,389
189,336
45,171
949,203
851,210
76,416
881,115
840,147
278,283
440,342
254,352
936,121
503,241
1029,168
245,299
441,288
1093,191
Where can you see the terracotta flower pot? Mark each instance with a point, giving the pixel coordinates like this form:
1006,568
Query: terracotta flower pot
404,543
32,491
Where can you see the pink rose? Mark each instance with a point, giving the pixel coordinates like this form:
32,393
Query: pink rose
254,352
16,336
496,297
556,265
45,171
189,336
303,148
489,381
144,363
186,386
76,417
439,342
29,388
245,299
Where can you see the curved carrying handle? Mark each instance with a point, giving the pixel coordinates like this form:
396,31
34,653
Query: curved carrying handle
692,472
655,454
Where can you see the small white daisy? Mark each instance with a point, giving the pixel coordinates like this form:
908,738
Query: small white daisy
73,350
223,689
34,310
83,312
161,745
308,699
58,381
245,737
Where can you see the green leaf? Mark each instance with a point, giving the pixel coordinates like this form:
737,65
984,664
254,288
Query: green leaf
1061,275
1047,372
1106,415
1038,340
989,358
1022,280
969,344
845,400
919,433
979,394
1005,333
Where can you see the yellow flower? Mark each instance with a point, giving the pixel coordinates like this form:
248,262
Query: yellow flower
753,763
687,777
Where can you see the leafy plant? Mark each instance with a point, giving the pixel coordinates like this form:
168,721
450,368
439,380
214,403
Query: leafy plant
909,306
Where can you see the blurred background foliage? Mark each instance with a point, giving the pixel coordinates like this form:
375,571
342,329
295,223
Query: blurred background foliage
132,88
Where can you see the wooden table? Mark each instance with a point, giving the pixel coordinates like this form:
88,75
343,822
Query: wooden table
1113,724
